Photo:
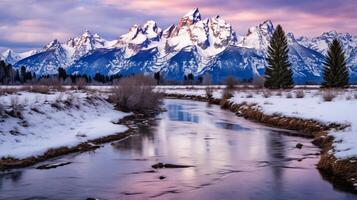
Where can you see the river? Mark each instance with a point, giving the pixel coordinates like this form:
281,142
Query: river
231,158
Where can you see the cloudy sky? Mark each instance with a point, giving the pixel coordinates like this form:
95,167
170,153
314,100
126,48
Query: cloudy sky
27,24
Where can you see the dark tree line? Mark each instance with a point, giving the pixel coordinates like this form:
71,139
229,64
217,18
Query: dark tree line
9,75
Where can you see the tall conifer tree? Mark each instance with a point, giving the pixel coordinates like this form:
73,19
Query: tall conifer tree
335,72
278,73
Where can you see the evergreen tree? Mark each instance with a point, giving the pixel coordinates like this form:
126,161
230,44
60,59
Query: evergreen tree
157,77
62,73
23,74
278,73
335,72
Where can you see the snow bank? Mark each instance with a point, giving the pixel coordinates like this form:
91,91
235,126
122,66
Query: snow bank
54,120
342,109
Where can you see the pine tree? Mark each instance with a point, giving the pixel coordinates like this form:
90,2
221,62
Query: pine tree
278,73
335,72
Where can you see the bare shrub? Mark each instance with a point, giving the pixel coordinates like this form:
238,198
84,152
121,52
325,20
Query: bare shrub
136,93
250,95
267,93
15,106
355,95
279,93
348,98
81,83
227,94
209,92
329,95
57,85
289,95
230,82
43,89
2,110
299,94
258,81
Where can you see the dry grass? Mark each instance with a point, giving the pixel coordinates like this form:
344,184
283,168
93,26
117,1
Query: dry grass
299,94
2,110
209,92
329,95
43,89
16,107
267,93
250,95
227,94
136,94
289,95
258,81
230,82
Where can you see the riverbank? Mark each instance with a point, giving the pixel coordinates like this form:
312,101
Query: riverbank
308,114
35,127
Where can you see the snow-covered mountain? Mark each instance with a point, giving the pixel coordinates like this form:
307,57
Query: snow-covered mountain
192,45
11,57
56,54
321,44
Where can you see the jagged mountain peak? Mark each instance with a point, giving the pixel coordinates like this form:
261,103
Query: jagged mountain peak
258,36
192,17
140,35
54,44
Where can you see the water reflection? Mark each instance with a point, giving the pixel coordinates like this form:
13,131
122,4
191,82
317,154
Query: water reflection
230,126
259,164
176,113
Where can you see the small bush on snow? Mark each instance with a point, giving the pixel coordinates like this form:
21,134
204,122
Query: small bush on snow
289,95
209,92
355,95
15,106
258,81
267,93
329,95
2,109
299,94
249,95
227,94
230,82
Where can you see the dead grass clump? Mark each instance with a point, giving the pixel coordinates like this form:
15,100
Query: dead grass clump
258,81
289,95
279,93
209,92
136,93
2,110
16,107
267,93
329,95
43,89
230,82
8,90
250,95
81,83
227,94
299,94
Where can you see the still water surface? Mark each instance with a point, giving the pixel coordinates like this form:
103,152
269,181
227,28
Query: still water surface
233,159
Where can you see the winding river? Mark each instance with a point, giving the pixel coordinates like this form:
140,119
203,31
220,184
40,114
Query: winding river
231,158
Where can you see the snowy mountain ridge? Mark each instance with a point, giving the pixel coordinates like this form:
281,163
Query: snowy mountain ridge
193,45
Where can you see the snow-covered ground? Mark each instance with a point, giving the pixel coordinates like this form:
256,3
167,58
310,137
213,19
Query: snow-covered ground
53,120
342,109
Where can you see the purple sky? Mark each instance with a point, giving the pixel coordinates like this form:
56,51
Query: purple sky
26,24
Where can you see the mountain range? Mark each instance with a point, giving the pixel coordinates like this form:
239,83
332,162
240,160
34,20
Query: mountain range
193,45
